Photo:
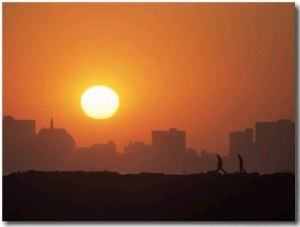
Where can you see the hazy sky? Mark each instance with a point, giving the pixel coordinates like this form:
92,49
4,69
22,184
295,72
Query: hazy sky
205,68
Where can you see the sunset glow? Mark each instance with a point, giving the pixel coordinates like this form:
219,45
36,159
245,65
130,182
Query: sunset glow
149,111
204,68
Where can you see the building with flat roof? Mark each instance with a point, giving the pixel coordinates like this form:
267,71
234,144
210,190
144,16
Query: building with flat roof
137,148
169,141
18,130
275,145
268,133
18,144
110,146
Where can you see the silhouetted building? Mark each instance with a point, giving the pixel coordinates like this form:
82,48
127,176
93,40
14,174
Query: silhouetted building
275,145
103,147
137,148
270,133
51,139
18,144
100,150
207,160
99,157
138,157
169,141
18,130
56,146
241,142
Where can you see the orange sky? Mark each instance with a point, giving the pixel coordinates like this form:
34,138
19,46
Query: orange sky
208,69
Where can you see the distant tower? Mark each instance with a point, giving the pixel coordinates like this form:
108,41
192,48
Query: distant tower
51,124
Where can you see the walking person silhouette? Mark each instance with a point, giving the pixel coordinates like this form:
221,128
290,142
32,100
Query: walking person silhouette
242,170
220,164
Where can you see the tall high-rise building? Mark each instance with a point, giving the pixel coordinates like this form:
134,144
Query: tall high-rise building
169,141
271,133
275,144
18,144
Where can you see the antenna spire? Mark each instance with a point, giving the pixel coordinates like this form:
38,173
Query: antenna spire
51,124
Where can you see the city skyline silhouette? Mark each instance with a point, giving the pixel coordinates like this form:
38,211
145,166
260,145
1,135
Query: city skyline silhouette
47,178
271,150
149,111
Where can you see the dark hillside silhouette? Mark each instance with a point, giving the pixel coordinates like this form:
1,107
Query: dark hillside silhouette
108,196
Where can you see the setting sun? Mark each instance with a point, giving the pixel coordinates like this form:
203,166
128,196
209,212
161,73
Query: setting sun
117,111
99,102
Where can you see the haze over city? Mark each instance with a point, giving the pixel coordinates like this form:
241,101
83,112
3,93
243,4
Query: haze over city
207,69
149,112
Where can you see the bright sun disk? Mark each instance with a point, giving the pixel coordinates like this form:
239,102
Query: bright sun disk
99,102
